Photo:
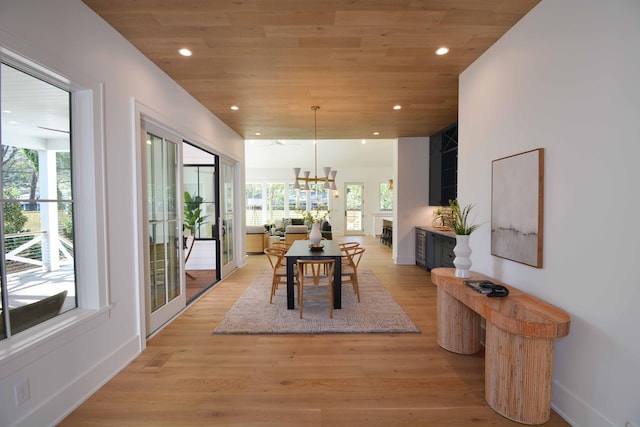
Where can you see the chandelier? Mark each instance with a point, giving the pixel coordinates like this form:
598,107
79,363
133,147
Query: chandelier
329,175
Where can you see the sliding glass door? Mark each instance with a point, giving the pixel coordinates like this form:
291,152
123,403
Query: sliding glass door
226,225
165,286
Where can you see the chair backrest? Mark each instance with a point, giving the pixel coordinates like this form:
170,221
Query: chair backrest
346,245
281,245
275,257
317,265
29,315
355,255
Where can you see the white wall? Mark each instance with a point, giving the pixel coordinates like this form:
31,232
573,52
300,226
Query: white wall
411,196
68,37
565,78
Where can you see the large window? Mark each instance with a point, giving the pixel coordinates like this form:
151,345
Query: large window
386,196
38,279
270,202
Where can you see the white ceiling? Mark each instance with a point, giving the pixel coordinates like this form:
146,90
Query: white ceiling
336,153
31,107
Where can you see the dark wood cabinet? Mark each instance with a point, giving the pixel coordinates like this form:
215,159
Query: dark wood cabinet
443,166
434,249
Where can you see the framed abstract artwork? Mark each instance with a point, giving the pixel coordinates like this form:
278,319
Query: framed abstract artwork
517,190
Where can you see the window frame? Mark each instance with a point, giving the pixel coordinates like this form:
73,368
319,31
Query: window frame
90,228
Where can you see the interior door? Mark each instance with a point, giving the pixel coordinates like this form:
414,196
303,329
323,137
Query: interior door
164,287
226,222
353,211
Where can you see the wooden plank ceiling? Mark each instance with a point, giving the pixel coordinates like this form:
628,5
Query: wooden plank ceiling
356,59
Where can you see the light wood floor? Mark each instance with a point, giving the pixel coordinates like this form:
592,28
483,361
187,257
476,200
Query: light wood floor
188,377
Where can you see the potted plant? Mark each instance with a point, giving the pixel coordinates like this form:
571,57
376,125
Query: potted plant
459,219
463,227
441,217
193,217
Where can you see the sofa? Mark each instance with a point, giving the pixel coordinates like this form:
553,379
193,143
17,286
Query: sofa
257,239
295,232
280,225
325,229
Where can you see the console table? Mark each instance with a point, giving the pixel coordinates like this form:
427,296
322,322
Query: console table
520,334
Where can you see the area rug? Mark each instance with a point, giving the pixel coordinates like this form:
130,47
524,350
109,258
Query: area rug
377,311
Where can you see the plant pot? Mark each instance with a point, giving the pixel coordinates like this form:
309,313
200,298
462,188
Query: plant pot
315,235
462,262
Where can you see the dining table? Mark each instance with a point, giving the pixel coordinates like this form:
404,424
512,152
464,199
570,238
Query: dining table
302,249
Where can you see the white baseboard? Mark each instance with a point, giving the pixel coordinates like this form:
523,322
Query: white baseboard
67,399
574,410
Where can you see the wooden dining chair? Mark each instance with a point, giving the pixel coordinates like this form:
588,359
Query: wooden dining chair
350,270
279,268
316,279
281,245
344,247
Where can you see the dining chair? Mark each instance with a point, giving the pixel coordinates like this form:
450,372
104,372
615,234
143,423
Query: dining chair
279,268
281,245
344,246
316,279
350,270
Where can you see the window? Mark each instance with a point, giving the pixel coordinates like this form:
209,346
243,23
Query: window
200,206
275,202
253,194
386,197
38,278
266,201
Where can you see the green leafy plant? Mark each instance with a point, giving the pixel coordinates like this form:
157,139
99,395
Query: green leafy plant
311,217
459,222
193,217
442,217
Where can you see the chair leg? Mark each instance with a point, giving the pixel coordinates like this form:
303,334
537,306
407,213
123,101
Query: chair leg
356,287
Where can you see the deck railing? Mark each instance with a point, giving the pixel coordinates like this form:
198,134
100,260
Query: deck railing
25,251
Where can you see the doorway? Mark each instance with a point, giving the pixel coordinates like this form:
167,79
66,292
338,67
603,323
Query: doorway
353,210
201,206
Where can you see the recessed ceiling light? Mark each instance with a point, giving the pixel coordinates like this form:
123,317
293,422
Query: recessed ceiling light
442,51
397,107
185,52
258,134
235,107
376,133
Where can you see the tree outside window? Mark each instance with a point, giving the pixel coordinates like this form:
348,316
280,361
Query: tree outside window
386,197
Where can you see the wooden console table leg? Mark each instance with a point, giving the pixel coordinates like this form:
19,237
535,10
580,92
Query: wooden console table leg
517,374
459,327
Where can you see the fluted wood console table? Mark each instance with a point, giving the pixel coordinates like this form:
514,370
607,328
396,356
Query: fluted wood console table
520,334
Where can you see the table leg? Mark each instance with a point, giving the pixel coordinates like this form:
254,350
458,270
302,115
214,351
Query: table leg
459,327
337,283
291,262
517,375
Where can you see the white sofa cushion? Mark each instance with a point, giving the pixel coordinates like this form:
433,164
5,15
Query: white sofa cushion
255,229
296,229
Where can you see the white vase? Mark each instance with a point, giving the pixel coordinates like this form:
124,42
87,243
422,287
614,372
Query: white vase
315,235
462,261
